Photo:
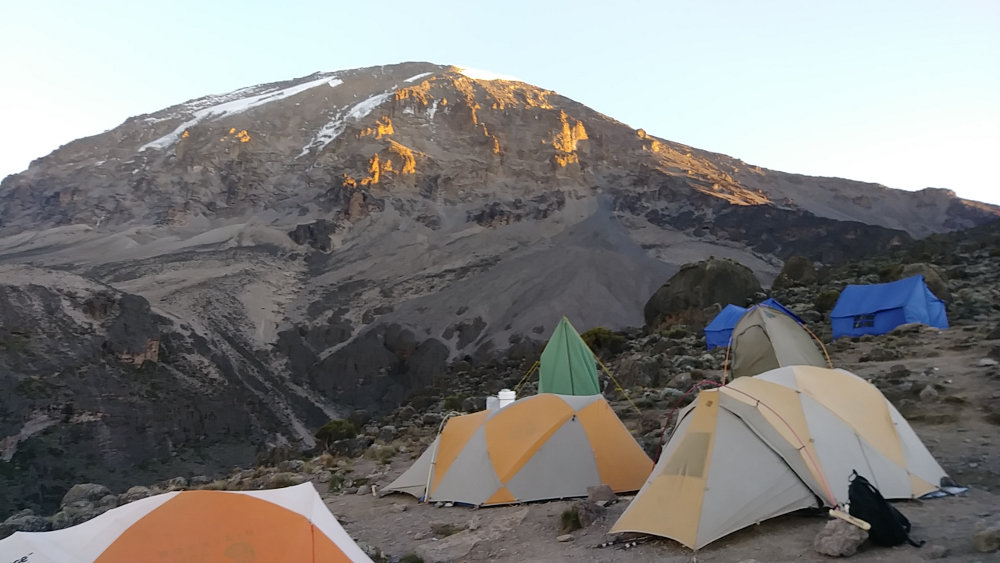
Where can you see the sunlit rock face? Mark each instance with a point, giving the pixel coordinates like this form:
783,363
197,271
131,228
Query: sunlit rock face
294,251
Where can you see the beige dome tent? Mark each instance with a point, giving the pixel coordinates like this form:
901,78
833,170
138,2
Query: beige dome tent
766,338
291,524
540,447
792,436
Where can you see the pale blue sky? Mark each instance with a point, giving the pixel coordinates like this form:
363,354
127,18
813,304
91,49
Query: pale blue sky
903,93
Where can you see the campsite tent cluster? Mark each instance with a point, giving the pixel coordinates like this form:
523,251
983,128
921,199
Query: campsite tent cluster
795,428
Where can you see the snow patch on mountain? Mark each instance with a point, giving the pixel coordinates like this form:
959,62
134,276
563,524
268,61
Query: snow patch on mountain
333,128
217,108
418,76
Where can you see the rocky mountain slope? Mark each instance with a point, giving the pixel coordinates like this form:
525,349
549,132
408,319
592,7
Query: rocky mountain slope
272,257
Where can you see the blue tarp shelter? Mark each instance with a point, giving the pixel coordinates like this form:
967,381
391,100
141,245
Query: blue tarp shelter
879,308
718,331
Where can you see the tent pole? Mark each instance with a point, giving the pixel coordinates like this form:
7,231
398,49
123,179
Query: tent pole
430,470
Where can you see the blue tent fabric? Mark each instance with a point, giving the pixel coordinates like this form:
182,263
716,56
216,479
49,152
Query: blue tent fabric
879,308
773,303
718,332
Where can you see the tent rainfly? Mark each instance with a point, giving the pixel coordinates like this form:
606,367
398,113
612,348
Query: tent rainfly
541,447
283,525
879,308
766,338
792,436
567,365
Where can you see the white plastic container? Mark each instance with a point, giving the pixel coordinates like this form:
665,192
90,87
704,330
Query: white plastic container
492,403
506,397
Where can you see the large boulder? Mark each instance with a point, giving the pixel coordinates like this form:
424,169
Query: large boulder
797,271
696,287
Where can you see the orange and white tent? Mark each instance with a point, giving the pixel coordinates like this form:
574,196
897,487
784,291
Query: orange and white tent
541,447
766,445
291,524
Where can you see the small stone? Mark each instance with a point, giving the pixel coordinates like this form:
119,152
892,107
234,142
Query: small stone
565,538
363,490
929,394
474,523
601,492
987,362
839,539
986,537
399,507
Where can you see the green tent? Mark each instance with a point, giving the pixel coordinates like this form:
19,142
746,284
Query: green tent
567,365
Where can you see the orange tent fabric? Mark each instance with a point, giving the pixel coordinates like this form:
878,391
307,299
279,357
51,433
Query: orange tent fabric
290,524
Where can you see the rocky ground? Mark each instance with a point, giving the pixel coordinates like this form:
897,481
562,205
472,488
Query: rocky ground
945,382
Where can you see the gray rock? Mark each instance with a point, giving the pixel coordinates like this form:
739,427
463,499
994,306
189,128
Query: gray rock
386,434
797,271
108,501
134,494
284,479
565,538
686,295
987,362
84,494
200,480
601,492
986,536
292,466
177,483
839,539
929,394
24,521
899,370
588,512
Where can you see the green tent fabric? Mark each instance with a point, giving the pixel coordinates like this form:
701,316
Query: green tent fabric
567,365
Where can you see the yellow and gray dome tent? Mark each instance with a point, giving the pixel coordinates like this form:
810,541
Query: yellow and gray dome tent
289,524
567,365
792,436
541,447
766,338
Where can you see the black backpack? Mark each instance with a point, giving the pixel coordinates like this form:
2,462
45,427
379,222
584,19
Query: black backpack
889,526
